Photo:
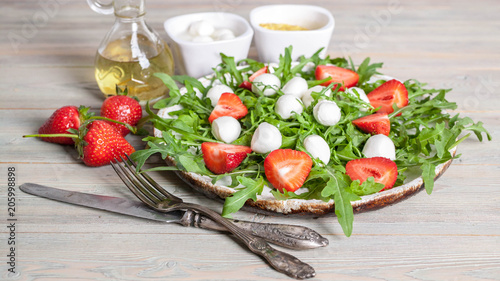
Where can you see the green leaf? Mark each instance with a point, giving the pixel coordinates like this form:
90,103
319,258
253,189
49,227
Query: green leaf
236,201
169,82
337,185
184,79
367,70
367,187
428,174
188,163
232,68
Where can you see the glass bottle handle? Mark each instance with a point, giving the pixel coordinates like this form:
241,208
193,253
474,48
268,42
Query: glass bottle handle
101,8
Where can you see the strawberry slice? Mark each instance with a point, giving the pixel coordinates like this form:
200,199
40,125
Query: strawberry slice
387,94
377,123
229,104
382,169
221,158
346,77
248,84
287,168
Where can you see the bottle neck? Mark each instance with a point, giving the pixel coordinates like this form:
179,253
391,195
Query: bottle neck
129,9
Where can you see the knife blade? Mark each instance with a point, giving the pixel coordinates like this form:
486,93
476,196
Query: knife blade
290,236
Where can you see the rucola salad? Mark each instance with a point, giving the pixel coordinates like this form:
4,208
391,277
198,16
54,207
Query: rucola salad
317,128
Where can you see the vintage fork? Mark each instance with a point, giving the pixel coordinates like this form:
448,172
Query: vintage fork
153,195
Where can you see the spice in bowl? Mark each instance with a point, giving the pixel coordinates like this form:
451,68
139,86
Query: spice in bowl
282,26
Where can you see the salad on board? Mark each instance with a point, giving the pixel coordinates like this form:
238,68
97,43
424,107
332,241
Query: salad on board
315,128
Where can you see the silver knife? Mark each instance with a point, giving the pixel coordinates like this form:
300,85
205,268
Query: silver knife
290,236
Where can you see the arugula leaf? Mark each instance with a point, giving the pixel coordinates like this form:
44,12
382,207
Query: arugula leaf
366,70
428,174
251,188
193,82
367,187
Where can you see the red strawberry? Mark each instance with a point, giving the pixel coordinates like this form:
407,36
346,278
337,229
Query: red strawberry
387,94
346,77
382,169
287,168
248,84
229,104
377,123
221,158
64,118
124,109
102,144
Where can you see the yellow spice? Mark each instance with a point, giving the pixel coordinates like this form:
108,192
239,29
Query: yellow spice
282,26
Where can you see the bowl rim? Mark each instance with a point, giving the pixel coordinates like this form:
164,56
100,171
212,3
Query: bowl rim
245,35
329,25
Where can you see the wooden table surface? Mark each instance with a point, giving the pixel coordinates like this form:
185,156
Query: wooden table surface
47,51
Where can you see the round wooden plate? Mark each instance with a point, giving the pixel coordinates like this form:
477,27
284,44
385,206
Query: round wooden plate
267,205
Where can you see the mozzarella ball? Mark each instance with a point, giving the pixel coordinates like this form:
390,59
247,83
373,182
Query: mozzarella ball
226,129
327,113
266,83
266,138
201,28
307,98
286,105
223,34
216,91
318,148
360,93
297,86
379,146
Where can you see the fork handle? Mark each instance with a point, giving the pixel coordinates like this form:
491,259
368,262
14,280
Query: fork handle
291,236
281,261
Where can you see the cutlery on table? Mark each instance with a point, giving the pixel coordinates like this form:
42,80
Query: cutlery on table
290,236
153,195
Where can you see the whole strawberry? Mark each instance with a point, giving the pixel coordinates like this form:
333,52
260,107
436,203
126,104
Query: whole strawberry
101,144
122,108
63,119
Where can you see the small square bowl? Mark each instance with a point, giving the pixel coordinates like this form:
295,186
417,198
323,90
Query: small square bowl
318,21
197,59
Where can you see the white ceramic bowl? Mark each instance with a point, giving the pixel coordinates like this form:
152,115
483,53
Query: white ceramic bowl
271,43
197,59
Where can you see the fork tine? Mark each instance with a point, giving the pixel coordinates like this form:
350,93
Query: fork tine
132,184
150,180
143,184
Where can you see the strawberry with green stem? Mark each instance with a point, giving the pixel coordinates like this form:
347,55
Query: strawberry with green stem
97,142
122,108
61,120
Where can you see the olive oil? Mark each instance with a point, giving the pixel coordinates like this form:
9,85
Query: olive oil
129,63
